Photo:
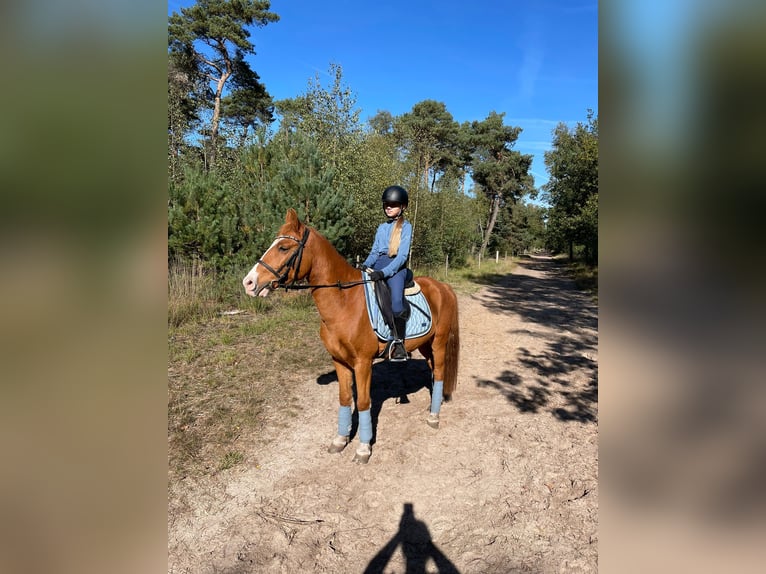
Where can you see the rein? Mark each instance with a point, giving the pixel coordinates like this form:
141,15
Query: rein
281,277
339,285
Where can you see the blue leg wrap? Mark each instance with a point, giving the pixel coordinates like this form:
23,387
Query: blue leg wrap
344,421
365,426
436,396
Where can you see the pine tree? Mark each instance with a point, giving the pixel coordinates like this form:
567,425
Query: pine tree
213,37
301,181
502,172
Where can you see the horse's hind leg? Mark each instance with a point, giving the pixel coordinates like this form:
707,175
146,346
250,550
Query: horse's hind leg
437,389
428,353
437,384
345,398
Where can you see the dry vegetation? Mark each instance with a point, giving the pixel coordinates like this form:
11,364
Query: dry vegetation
222,386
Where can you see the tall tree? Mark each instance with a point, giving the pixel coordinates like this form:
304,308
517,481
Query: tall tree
464,153
429,133
215,33
248,104
502,172
382,123
428,136
572,190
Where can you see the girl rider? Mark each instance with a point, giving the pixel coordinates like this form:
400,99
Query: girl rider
388,259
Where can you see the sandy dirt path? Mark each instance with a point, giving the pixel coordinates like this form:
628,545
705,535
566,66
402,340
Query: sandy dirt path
507,484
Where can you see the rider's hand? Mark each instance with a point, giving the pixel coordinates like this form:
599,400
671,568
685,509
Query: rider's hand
376,275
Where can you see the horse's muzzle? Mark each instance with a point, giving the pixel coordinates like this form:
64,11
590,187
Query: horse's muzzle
254,290
262,291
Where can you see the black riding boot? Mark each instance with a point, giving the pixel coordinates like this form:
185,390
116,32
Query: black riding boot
397,351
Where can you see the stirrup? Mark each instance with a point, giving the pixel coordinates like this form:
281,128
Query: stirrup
391,351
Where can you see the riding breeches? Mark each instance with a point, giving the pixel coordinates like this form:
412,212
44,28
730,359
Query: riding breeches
395,284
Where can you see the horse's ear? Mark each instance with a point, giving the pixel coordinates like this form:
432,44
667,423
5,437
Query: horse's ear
291,218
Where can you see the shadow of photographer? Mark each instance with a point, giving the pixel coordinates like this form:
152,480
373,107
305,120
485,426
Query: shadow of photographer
417,547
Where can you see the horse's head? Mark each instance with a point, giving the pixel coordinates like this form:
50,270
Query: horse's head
283,261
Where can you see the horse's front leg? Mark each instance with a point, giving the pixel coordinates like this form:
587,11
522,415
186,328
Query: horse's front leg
345,398
363,372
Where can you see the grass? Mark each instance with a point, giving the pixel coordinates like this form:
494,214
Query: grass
233,379
586,277
191,293
196,293
230,459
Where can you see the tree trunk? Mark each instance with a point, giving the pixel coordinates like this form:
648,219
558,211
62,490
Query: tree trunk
414,223
216,115
492,218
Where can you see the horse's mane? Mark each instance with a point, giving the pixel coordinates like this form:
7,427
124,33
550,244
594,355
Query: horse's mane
331,261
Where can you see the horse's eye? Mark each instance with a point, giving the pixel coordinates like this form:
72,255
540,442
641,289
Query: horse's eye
283,248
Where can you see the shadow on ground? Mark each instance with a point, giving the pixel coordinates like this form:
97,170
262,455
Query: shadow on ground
565,368
552,300
390,381
417,546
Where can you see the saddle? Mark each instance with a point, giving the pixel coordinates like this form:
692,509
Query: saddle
417,310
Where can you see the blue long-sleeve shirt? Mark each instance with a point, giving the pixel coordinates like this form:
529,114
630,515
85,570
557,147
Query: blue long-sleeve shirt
380,247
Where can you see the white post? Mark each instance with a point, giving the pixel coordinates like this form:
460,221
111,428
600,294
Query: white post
497,257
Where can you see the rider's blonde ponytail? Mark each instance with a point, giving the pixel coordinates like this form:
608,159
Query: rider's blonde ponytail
396,237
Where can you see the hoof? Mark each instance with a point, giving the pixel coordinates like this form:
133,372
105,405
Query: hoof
337,444
362,454
433,421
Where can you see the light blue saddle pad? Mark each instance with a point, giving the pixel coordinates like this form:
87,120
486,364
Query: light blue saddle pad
418,324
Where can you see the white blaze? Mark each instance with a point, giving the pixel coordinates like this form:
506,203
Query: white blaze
250,281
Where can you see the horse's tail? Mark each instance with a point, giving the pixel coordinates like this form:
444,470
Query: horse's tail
452,352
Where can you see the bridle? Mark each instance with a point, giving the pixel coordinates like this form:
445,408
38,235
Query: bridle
294,263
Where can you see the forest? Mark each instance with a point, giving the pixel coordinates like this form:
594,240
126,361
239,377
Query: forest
238,158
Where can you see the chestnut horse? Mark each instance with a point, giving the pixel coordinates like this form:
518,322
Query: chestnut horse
299,252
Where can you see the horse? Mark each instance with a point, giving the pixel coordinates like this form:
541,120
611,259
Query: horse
299,252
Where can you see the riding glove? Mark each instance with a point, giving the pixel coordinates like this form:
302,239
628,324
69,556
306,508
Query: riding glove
376,275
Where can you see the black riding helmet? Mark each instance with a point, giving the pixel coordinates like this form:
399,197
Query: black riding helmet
396,194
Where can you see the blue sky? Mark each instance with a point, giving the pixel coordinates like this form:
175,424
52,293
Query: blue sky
535,60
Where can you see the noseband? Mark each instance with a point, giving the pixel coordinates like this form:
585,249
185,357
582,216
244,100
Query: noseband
292,262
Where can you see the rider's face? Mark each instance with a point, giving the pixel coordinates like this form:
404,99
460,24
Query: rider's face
392,209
